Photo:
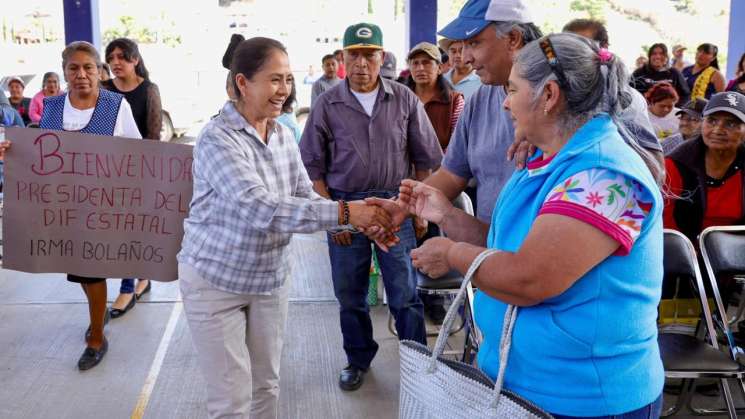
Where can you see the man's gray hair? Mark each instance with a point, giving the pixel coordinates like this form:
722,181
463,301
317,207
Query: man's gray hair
80,46
529,31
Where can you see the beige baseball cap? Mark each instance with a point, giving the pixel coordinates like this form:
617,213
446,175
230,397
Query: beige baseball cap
427,48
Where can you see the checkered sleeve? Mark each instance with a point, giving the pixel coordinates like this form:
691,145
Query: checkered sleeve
234,178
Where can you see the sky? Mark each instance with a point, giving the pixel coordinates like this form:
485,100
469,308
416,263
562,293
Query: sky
299,22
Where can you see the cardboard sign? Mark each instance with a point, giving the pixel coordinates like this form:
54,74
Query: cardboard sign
94,206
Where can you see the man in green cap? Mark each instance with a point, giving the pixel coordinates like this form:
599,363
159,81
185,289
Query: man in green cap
362,138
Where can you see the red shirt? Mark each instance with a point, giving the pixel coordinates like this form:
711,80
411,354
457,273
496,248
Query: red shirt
723,201
341,72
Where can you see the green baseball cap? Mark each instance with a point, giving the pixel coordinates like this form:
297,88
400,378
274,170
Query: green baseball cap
363,35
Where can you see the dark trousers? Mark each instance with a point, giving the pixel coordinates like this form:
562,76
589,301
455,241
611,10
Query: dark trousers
350,271
650,411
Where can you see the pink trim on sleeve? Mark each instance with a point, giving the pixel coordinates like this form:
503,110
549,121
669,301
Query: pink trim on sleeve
586,215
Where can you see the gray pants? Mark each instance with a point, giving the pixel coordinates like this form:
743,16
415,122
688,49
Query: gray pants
238,339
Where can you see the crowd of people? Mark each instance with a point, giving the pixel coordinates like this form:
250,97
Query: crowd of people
549,134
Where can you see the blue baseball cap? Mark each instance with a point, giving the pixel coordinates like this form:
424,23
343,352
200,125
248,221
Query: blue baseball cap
476,15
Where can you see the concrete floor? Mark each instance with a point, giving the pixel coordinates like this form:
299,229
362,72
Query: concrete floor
43,318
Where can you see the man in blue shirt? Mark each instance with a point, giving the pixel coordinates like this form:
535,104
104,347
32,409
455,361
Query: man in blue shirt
461,75
484,131
9,117
493,31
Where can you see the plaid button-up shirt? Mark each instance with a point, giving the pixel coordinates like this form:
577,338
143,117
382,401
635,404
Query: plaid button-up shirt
249,197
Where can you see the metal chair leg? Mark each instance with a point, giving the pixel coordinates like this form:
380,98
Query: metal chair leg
471,343
731,410
686,390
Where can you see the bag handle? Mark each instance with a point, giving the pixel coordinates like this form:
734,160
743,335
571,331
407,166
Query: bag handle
505,342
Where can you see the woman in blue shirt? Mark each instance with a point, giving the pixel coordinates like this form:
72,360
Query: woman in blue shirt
580,234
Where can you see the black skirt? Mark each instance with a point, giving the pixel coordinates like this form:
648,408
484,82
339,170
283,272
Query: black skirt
84,280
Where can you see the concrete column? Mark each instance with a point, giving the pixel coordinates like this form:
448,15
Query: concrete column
81,22
736,36
421,22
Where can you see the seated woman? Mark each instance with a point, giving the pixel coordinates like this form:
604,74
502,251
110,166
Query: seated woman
738,83
705,176
657,70
690,118
661,100
704,78
580,239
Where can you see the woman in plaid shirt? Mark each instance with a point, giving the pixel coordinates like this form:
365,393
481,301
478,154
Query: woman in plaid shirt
251,192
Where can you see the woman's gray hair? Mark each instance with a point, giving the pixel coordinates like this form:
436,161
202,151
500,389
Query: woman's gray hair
591,85
47,76
80,46
529,31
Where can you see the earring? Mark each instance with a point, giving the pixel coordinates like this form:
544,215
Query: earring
545,111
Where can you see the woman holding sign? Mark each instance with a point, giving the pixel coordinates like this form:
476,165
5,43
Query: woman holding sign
251,192
88,109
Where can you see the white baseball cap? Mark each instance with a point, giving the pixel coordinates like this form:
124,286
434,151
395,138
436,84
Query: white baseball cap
476,15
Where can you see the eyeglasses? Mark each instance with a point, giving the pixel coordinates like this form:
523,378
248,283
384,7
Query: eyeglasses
688,118
728,124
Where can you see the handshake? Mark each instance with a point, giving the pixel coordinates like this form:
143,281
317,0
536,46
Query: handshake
380,219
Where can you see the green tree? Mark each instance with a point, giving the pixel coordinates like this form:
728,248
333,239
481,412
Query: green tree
594,8
685,6
129,28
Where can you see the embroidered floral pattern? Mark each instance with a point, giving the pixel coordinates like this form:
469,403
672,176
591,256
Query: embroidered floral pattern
609,195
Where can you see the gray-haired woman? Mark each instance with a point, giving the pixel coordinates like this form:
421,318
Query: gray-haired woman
88,109
580,234
49,87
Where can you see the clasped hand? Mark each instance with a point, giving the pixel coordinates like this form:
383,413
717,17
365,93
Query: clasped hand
415,199
363,216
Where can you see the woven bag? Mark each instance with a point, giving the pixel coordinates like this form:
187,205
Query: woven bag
433,387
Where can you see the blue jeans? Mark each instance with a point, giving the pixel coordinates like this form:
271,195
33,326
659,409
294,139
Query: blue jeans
127,286
350,272
650,411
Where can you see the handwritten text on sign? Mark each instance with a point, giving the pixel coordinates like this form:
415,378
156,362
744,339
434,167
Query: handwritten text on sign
94,206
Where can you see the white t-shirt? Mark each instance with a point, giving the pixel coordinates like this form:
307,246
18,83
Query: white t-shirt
367,100
74,119
665,126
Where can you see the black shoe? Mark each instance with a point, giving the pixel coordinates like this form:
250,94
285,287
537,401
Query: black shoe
105,322
92,357
146,290
437,314
116,313
351,378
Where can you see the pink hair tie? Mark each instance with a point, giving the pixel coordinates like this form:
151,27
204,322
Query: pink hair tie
605,55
